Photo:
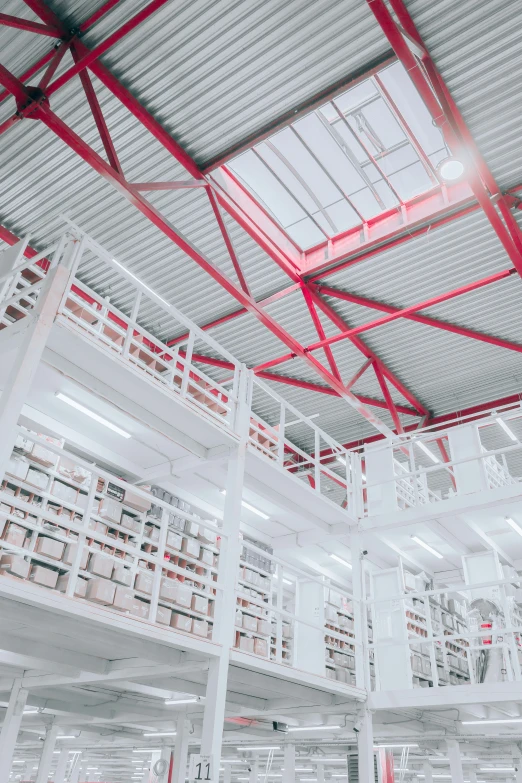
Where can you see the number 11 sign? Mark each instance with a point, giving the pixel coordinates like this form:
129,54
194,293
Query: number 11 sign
200,768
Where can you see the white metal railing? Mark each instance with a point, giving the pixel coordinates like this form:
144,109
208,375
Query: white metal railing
446,640
69,526
274,619
422,469
303,449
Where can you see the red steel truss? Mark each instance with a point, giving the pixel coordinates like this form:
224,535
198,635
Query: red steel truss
422,214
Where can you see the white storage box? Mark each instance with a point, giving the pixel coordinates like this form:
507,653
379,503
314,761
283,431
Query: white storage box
183,595
190,547
80,590
200,628
130,523
48,547
101,591
199,604
70,554
43,576
17,467
174,540
36,478
207,536
100,565
181,622
64,492
110,509
121,575
164,615
144,580
249,623
15,535
15,565
43,456
123,598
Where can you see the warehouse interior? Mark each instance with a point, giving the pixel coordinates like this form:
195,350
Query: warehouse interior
260,391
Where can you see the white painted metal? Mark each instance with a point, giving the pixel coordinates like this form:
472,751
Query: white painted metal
428,772
465,442
289,762
309,642
179,767
455,760
392,660
380,475
61,766
365,743
46,758
10,728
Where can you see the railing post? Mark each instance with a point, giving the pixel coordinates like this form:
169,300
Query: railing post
360,620
281,443
186,364
130,325
214,714
317,457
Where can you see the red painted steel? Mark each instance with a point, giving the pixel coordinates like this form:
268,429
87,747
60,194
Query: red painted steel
422,319
47,16
53,65
42,62
228,241
24,24
320,331
388,398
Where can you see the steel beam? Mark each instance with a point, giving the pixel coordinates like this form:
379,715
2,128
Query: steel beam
24,24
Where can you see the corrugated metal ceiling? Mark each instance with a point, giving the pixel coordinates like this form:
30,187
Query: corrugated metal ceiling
213,73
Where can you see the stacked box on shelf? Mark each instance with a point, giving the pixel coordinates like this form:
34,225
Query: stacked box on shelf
339,652
43,501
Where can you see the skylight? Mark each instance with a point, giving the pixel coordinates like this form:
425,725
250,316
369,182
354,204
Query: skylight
361,154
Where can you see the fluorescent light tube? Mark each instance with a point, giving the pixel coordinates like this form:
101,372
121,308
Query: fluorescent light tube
182,701
506,429
427,451
159,733
514,525
313,728
427,547
144,750
400,745
66,736
250,508
31,711
490,722
341,561
266,747
496,769
92,415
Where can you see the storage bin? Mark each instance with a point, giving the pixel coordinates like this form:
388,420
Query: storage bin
190,547
164,615
80,589
64,492
15,534
246,643
15,565
70,554
43,576
101,591
137,502
110,509
42,455
123,598
144,582
183,595
181,622
37,479
100,565
17,467
199,604
174,540
121,575
48,547
200,627
261,647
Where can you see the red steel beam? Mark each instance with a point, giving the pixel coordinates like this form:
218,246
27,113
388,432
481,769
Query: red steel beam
320,331
359,373
388,398
422,319
53,65
42,62
24,24
228,242
435,99
47,16
102,47
99,119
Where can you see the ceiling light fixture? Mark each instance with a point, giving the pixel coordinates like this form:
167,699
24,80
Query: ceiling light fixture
170,702
92,414
314,728
514,525
159,733
497,769
490,722
427,547
66,736
506,429
340,560
400,745
265,747
250,508
427,451
451,169
31,711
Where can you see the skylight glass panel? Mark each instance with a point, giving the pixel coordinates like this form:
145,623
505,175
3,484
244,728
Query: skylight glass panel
361,154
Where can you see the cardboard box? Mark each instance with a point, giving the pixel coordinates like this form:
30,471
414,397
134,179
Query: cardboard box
207,536
249,623
144,581
183,595
101,591
121,575
123,598
68,468
137,502
152,532
98,527
261,647
168,589
42,455
206,556
140,609
48,547
100,565
239,618
70,554
191,547
200,628
181,622
43,576
110,509
15,535
246,643
199,604
23,443
80,589
174,540
64,492
130,523
164,615
17,467
15,565
263,627
37,479
192,528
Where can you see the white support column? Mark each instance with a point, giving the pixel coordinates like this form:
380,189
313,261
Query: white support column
365,748
227,774
464,442
46,758
179,769
74,774
362,657
518,773
254,771
10,728
61,767
428,772
212,732
380,476
27,357
455,759
320,772
289,761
